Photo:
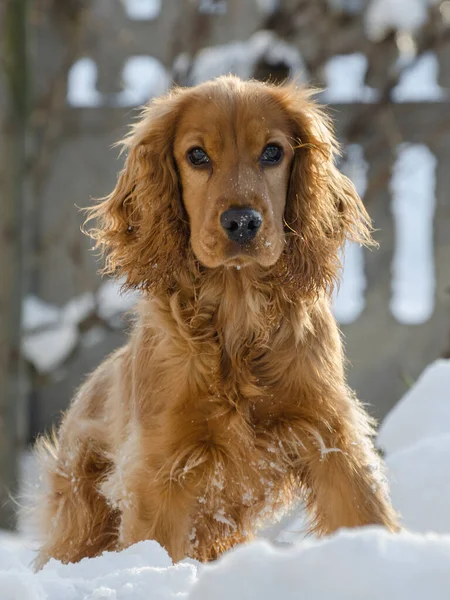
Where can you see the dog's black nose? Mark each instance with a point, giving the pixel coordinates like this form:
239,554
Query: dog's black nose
241,224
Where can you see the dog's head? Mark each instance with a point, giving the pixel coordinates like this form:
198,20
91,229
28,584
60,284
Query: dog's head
230,174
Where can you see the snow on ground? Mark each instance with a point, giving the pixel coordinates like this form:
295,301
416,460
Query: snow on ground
422,414
366,563
354,565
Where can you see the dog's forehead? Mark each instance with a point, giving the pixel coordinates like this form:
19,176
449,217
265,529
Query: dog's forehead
218,117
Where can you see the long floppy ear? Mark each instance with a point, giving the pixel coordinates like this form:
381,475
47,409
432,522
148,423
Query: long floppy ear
323,209
141,228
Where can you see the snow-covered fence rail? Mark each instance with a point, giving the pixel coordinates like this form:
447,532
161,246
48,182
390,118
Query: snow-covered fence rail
391,110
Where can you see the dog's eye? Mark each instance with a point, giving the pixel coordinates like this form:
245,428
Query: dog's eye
272,154
197,156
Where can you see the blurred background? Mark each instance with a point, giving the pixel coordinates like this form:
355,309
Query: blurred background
72,73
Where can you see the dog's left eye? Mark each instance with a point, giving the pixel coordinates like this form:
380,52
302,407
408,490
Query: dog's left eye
197,156
272,154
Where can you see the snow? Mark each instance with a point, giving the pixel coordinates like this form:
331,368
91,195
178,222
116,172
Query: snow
344,76
78,309
51,334
420,484
81,82
124,576
423,413
240,58
349,300
412,187
367,563
143,78
419,82
47,350
142,10
416,437
382,16
112,302
37,314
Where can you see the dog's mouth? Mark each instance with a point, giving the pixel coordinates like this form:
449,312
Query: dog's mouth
259,251
238,262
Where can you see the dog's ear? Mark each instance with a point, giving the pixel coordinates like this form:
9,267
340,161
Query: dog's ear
140,227
323,209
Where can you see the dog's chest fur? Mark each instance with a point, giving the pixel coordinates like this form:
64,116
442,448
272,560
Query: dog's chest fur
226,409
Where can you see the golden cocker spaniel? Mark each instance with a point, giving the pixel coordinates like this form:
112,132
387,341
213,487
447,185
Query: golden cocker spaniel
229,399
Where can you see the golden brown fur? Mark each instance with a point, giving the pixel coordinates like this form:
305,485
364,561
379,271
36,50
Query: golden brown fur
229,399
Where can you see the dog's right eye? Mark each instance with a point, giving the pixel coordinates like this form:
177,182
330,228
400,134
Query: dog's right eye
197,156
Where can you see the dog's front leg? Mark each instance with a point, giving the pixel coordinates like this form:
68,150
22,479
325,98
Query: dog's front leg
161,513
341,469
163,497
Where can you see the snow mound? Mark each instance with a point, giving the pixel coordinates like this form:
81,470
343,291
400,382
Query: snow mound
424,411
354,564
367,563
113,576
420,484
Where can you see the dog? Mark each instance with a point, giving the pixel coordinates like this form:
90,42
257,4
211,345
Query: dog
229,401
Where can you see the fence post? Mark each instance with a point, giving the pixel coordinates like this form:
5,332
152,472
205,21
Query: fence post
13,114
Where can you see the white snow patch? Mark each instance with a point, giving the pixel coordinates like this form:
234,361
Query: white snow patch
412,186
112,301
344,76
423,413
420,483
142,10
81,84
419,82
46,350
368,563
37,314
383,16
144,77
78,309
349,299
142,572
240,58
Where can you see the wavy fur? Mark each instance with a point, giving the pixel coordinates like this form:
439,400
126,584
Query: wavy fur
229,400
